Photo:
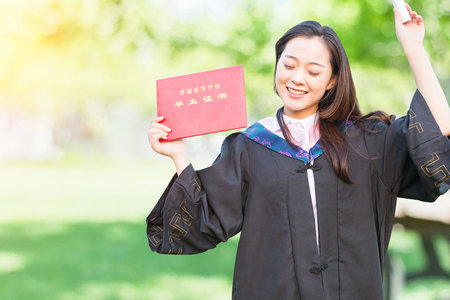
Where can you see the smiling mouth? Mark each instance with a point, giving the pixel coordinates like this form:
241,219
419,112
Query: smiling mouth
296,92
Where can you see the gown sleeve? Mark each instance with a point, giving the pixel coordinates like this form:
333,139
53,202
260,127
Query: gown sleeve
416,155
201,208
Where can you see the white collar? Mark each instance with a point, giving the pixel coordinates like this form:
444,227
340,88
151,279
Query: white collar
305,123
271,123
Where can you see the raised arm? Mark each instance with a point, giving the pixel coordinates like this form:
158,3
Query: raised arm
410,36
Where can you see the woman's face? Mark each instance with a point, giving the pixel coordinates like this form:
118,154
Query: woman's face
303,74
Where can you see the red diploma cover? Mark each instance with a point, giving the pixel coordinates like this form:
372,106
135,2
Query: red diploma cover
202,103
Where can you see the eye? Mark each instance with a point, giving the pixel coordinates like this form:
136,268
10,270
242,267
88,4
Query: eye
289,67
314,74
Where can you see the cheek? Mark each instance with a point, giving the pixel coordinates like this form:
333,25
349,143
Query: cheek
278,86
278,80
320,83
277,75
281,76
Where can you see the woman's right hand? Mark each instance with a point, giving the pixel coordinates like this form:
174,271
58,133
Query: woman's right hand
175,149
157,133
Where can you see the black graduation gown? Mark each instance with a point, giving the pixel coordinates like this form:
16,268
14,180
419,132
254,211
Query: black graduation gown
264,194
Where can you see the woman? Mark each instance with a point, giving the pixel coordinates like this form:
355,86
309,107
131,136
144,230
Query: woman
312,191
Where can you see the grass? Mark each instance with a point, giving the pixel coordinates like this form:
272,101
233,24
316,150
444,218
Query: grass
410,256
108,260
75,231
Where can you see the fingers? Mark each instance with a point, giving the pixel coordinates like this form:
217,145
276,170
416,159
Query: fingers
158,119
155,138
161,126
418,20
155,134
156,124
415,17
159,136
408,7
412,14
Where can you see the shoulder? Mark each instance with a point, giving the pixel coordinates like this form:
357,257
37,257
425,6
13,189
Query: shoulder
236,141
375,125
245,140
370,124
236,138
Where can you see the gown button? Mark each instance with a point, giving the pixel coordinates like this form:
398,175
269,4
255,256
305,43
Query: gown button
315,270
301,169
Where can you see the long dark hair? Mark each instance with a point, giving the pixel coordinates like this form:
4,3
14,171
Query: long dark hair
338,104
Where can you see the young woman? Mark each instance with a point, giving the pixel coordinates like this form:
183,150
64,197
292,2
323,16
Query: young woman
312,190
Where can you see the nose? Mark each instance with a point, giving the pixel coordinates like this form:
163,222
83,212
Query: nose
298,77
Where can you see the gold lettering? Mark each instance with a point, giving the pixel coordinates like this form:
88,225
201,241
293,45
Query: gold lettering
193,101
222,96
207,99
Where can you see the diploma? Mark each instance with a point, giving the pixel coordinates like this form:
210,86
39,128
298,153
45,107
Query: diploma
404,14
202,103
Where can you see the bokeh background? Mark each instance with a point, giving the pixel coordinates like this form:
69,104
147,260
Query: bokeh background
77,93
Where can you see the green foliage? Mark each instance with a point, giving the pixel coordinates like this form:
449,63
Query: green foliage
115,50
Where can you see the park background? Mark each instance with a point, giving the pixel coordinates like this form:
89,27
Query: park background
77,93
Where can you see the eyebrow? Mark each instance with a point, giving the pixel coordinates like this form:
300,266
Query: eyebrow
309,63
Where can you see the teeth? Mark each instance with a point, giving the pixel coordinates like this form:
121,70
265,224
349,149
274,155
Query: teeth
295,92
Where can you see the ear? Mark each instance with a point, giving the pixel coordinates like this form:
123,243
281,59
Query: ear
332,83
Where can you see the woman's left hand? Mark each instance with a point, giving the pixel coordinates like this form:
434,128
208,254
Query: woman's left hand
409,34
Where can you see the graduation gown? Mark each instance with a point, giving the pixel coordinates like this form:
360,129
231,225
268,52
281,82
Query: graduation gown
258,186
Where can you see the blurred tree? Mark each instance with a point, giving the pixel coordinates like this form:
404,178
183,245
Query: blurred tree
60,54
